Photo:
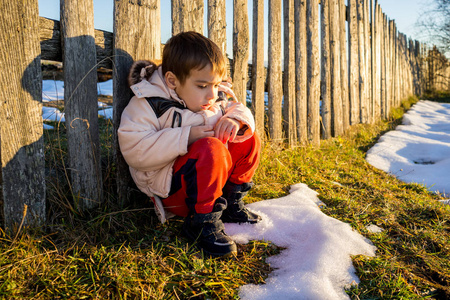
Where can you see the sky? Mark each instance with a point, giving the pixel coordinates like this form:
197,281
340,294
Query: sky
405,13
316,262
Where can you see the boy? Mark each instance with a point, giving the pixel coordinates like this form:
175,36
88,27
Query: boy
197,153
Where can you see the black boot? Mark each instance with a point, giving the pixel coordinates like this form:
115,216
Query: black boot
236,211
207,231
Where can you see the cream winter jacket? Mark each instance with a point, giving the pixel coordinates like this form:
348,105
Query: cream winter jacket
154,131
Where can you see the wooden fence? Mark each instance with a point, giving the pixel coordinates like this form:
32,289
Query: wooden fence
331,78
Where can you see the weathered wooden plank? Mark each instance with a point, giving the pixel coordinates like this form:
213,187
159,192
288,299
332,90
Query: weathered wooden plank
418,83
289,111
80,98
367,65
50,37
217,24
313,75
362,63
395,67
335,87
241,41
187,16
372,62
301,67
377,64
353,48
393,62
22,178
325,66
402,67
410,66
274,78
133,24
412,46
344,65
406,66
423,65
383,67
258,77
387,52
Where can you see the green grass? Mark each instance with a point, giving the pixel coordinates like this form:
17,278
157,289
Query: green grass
441,96
124,253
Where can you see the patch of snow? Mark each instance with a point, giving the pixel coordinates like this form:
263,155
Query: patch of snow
316,263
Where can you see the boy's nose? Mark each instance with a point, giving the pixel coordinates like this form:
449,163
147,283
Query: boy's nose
211,95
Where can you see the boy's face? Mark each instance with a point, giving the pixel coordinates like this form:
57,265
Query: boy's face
199,91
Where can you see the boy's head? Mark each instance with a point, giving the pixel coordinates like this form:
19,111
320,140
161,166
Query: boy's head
189,51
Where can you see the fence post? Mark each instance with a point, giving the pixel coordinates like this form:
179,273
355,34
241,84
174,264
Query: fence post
423,67
389,99
133,24
353,46
395,65
386,66
258,77
335,87
376,63
383,66
373,61
187,16
398,67
241,40
80,98
418,90
404,66
289,111
301,71
368,59
387,52
313,75
217,26
362,63
344,65
325,76
22,178
393,62
275,80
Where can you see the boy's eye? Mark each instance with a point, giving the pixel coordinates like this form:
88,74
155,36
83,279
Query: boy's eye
202,86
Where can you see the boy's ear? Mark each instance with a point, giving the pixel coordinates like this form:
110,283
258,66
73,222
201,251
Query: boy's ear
171,80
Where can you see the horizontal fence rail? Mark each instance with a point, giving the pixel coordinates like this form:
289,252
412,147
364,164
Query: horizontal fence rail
327,79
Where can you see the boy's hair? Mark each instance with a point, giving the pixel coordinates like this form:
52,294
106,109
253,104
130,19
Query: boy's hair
190,50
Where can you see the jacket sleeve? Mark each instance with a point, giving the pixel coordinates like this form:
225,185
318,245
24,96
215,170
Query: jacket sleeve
237,111
143,144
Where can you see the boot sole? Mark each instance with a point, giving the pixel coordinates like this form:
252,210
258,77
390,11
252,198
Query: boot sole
190,237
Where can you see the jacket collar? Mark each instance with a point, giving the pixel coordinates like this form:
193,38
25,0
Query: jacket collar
155,87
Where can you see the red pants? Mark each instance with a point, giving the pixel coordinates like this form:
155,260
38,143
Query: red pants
200,174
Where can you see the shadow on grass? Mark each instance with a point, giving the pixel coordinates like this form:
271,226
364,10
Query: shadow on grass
436,96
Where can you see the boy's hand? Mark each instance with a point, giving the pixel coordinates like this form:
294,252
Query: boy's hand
199,132
226,129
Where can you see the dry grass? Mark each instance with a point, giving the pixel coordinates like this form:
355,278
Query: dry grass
123,252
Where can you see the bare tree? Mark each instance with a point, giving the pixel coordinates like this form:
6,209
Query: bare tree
434,22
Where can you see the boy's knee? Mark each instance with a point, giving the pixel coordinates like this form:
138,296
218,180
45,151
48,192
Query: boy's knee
211,152
209,145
